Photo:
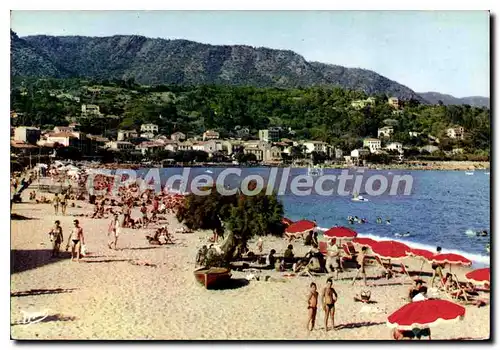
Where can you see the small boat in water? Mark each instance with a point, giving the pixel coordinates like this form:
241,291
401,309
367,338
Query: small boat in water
213,276
358,198
209,171
469,173
314,171
487,173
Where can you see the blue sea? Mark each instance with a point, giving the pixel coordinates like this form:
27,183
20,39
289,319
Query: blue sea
444,208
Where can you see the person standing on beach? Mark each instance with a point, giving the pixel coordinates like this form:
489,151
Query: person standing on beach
126,214
55,203
312,306
56,237
64,202
114,231
361,265
329,298
76,239
260,245
333,260
437,269
144,211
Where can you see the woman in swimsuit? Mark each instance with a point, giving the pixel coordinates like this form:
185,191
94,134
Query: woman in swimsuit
77,240
329,298
312,306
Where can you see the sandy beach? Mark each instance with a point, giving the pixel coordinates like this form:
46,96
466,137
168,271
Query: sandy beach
106,296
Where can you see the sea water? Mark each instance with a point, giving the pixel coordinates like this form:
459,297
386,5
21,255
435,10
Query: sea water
441,210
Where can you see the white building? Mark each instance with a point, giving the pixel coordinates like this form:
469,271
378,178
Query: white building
64,129
210,135
358,153
27,134
386,131
146,146
269,135
316,146
455,133
120,145
178,136
148,135
395,146
429,148
90,110
149,128
63,138
126,134
373,144
413,133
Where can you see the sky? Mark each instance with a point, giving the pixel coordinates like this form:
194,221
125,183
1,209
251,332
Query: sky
443,51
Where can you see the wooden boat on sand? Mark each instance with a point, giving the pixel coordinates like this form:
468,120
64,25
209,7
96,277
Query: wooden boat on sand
213,276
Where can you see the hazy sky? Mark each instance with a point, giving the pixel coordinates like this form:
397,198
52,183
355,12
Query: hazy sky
445,51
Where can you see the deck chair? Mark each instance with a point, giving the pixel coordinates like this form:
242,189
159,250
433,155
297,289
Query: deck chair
323,247
350,255
351,249
405,273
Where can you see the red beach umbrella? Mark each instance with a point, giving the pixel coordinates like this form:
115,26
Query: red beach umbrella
286,221
479,275
422,253
301,226
425,314
452,259
390,249
340,232
363,241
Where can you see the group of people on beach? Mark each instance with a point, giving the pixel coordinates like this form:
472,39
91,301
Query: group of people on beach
76,240
329,297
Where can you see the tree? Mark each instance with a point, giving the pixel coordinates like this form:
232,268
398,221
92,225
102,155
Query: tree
245,216
250,216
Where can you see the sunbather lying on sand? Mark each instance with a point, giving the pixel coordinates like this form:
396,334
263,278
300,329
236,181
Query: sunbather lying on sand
398,334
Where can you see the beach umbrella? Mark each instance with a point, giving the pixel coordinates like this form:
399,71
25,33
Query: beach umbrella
422,253
301,226
425,314
452,259
479,275
340,232
363,241
286,221
425,254
390,249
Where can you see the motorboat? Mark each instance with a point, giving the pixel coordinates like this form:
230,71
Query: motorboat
314,171
358,198
469,173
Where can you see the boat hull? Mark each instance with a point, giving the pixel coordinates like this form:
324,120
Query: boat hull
212,277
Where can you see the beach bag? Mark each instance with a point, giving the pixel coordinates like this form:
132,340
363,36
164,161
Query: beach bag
83,251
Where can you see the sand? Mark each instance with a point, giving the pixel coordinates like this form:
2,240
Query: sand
106,297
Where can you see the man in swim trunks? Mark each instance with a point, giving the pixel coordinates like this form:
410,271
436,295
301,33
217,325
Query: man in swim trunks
312,306
329,298
333,260
361,265
55,203
76,239
437,269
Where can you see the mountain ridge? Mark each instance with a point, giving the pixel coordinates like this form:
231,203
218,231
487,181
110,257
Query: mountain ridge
179,61
153,61
434,97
